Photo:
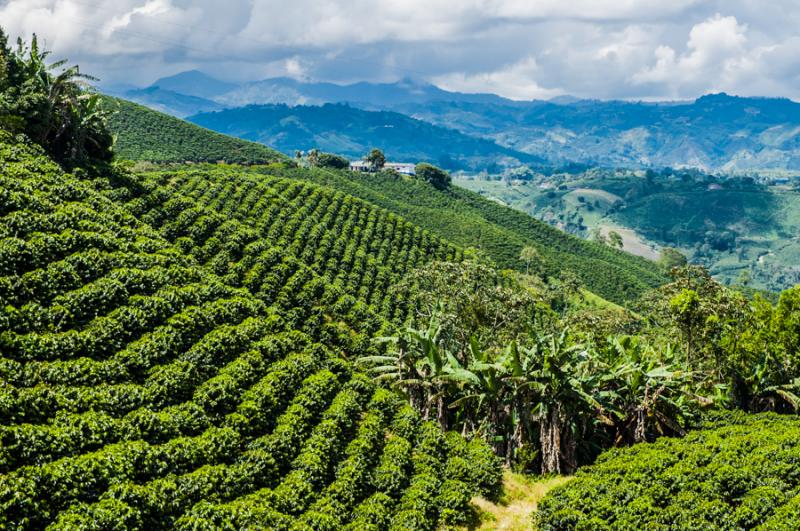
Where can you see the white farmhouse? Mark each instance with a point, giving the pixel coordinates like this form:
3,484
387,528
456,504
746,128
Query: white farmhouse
360,165
406,168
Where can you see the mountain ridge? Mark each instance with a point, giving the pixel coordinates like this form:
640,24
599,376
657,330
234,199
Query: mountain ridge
714,132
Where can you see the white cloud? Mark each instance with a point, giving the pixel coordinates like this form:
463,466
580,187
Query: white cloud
518,48
516,81
714,49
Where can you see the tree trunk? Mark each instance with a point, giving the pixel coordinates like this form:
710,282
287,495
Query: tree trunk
441,412
550,439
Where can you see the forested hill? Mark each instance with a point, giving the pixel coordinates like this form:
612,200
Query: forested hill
144,134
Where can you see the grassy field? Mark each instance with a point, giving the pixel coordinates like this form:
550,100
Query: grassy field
520,497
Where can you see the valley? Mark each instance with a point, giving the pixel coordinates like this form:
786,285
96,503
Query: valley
742,230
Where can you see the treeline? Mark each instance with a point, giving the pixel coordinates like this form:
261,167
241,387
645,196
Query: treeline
550,382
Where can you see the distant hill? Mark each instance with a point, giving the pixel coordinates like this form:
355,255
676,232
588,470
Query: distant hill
715,133
211,90
144,134
194,83
171,102
352,132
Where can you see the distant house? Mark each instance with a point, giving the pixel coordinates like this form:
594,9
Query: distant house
406,168
360,165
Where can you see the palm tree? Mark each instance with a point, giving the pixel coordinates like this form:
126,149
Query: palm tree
55,107
483,396
415,364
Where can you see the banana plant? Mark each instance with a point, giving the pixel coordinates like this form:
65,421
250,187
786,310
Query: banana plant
644,392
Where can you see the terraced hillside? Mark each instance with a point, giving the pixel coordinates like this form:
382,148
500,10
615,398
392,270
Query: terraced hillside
262,232
468,219
738,473
457,215
142,390
144,134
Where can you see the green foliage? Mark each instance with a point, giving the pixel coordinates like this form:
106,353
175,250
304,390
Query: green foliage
169,361
429,173
52,105
264,233
327,160
147,135
376,159
739,476
469,220
671,258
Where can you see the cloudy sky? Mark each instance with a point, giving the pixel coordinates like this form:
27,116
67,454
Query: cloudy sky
523,49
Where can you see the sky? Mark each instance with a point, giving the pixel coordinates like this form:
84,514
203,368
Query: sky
521,49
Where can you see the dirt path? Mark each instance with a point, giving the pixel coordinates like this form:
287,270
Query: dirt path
520,497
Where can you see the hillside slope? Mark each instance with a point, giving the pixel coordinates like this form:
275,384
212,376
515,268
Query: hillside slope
469,220
144,134
141,390
733,475
458,216
255,230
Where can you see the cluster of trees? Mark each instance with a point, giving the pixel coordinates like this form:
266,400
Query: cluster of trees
489,356
52,105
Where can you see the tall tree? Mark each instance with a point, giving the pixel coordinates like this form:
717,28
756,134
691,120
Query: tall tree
376,159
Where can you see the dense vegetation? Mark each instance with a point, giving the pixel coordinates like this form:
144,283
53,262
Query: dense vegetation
214,346
740,472
263,232
551,383
141,390
467,219
143,134
51,104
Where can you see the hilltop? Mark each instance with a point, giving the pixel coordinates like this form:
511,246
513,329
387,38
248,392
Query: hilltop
145,134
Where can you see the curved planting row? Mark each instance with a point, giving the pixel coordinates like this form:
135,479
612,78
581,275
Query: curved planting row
262,232
139,389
